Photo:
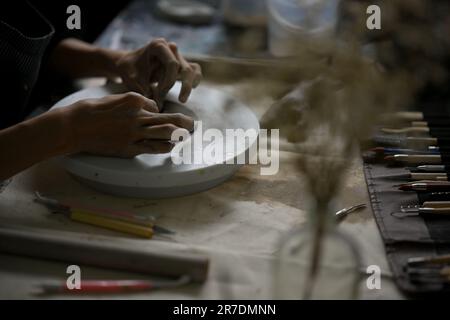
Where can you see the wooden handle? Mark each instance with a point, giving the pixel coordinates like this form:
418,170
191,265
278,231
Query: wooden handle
406,130
428,176
419,159
438,211
419,124
89,218
408,115
436,204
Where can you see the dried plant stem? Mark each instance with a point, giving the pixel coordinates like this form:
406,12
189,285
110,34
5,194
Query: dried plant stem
319,231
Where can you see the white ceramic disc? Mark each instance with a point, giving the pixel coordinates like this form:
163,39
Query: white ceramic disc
155,175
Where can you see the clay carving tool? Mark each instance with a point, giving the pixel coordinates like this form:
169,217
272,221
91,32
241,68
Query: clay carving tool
341,214
434,196
439,149
379,153
429,168
111,286
118,221
419,131
436,204
391,151
425,186
414,116
103,252
431,260
424,208
412,211
429,275
416,176
434,122
413,159
411,142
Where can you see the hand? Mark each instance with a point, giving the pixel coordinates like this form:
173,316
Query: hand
122,125
152,71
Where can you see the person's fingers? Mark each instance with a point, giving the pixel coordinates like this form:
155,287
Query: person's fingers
142,147
178,119
197,74
134,84
159,132
131,75
186,74
155,96
161,50
150,105
135,101
150,146
190,74
187,83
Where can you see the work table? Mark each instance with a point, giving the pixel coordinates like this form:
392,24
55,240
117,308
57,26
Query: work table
237,225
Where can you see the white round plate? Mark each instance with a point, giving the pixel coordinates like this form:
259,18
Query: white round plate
155,175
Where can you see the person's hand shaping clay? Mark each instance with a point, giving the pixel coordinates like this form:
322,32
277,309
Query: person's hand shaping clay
153,69
122,125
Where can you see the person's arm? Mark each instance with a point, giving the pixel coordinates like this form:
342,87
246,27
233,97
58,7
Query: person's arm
77,59
151,70
32,141
121,125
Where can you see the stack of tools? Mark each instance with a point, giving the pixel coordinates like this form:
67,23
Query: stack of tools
421,145
407,172
433,271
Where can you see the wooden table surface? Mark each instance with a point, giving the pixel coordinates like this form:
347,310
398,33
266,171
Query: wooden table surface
237,224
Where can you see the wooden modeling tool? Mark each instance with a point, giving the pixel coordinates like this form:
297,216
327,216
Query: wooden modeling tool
390,151
413,159
433,260
412,116
430,168
425,185
118,221
416,176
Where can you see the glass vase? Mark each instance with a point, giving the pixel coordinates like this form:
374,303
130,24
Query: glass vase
317,261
